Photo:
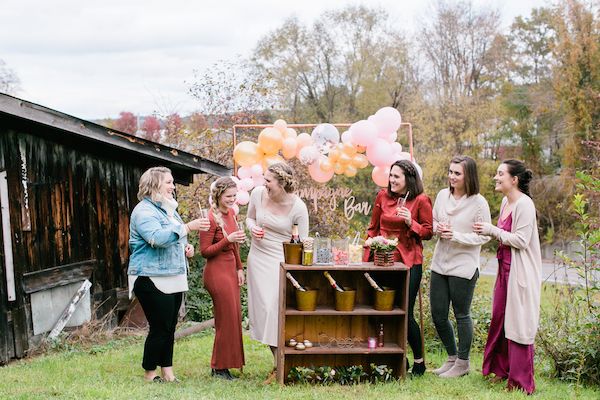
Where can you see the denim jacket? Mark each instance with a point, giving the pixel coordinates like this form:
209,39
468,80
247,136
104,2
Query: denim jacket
156,243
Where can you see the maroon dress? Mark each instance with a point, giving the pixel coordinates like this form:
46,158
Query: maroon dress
503,357
221,280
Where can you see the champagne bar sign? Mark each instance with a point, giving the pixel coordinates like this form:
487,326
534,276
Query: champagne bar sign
331,197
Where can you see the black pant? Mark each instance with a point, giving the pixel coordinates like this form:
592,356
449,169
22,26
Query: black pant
444,290
414,333
161,311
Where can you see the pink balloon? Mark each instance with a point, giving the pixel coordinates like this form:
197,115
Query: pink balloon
363,132
256,170
392,137
242,197
246,184
235,208
258,180
303,140
380,153
317,174
403,156
381,176
396,148
388,119
244,172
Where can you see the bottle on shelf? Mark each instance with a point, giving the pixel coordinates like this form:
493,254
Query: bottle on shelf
295,282
295,236
332,281
373,283
380,339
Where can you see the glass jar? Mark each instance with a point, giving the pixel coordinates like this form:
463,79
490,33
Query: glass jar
322,251
339,251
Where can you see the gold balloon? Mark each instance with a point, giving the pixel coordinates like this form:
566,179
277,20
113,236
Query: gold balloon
361,149
339,168
334,155
350,170
344,159
270,141
326,165
349,149
246,153
288,150
360,160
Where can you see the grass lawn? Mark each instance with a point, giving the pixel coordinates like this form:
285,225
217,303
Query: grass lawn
112,371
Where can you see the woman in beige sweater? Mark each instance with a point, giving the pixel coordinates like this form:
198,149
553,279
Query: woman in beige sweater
516,306
455,263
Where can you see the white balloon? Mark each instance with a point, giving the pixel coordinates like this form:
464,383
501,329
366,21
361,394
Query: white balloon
325,135
392,137
244,172
419,169
257,170
246,184
308,155
396,148
347,137
388,119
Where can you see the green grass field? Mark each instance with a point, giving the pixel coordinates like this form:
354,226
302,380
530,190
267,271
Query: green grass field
112,370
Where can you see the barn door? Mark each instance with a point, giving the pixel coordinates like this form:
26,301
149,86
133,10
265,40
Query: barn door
7,288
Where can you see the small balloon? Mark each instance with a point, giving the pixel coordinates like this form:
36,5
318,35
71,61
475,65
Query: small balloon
242,198
246,153
270,160
317,174
350,170
396,148
393,137
380,153
291,133
325,164
363,132
347,137
302,141
325,135
246,184
388,119
419,170
288,150
339,168
308,155
281,126
256,170
349,149
344,159
244,172
360,161
403,155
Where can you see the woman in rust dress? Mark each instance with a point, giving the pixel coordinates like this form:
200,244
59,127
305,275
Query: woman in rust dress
223,276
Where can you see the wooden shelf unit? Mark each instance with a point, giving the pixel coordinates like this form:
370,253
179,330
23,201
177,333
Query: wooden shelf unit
340,337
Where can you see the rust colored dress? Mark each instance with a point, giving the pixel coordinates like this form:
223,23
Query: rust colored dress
221,280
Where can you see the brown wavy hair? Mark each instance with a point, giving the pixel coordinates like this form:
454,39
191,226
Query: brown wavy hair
218,188
150,182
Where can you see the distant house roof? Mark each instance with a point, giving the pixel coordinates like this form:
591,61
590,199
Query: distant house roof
109,142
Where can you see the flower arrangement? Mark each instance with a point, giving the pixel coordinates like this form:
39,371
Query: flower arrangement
380,243
344,375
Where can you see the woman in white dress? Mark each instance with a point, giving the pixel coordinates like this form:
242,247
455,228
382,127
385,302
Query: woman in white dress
272,211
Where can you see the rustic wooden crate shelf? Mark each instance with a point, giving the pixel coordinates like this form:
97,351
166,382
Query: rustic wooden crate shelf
326,325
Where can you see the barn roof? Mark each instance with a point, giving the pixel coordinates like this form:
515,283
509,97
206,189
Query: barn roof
88,135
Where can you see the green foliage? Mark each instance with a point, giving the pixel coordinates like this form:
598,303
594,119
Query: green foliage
381,373
570,335
344,375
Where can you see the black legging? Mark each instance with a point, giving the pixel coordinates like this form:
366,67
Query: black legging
414,333
447,289
161,311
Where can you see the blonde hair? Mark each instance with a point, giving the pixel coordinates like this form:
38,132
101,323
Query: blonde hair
150,182
284,175
217,189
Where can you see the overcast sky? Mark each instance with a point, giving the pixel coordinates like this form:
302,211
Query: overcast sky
95,59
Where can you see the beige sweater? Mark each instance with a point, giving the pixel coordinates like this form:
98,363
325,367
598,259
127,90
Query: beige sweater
525,279
459,256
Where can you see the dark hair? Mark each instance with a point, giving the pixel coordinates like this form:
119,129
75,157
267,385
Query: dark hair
524,175
414,184
470,171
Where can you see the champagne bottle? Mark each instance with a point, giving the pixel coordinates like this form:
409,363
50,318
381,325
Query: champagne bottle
295,236
332,281
295,282
373,283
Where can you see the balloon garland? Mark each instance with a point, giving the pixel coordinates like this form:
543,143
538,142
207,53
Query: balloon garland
325,152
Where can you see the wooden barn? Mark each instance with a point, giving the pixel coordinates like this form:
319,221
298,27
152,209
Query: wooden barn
67,188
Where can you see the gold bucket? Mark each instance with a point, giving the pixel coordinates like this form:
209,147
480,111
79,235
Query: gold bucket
384,301
344,301
292,253
307,301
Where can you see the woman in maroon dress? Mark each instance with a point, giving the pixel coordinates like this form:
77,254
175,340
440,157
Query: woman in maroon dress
223,276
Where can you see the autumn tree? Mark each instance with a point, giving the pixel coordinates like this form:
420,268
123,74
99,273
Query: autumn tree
151,128
127,122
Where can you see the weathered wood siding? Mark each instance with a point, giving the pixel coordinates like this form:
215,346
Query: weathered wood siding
68,204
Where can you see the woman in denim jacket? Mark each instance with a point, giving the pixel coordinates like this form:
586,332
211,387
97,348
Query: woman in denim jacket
158,266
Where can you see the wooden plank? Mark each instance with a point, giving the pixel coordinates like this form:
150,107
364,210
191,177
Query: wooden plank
391,348
70,309
7,239
58,276
358,310
365,267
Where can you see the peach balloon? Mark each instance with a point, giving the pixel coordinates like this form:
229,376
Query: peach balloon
339,168
334,155
288,149
360,161
317,174
246,153
270,141
302,140
344,159
381,176
350,170
291,133
361,149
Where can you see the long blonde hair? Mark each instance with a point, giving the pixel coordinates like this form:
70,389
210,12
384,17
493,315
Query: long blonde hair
150,182
217,189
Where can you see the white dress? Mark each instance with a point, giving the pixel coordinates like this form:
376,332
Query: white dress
263,263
